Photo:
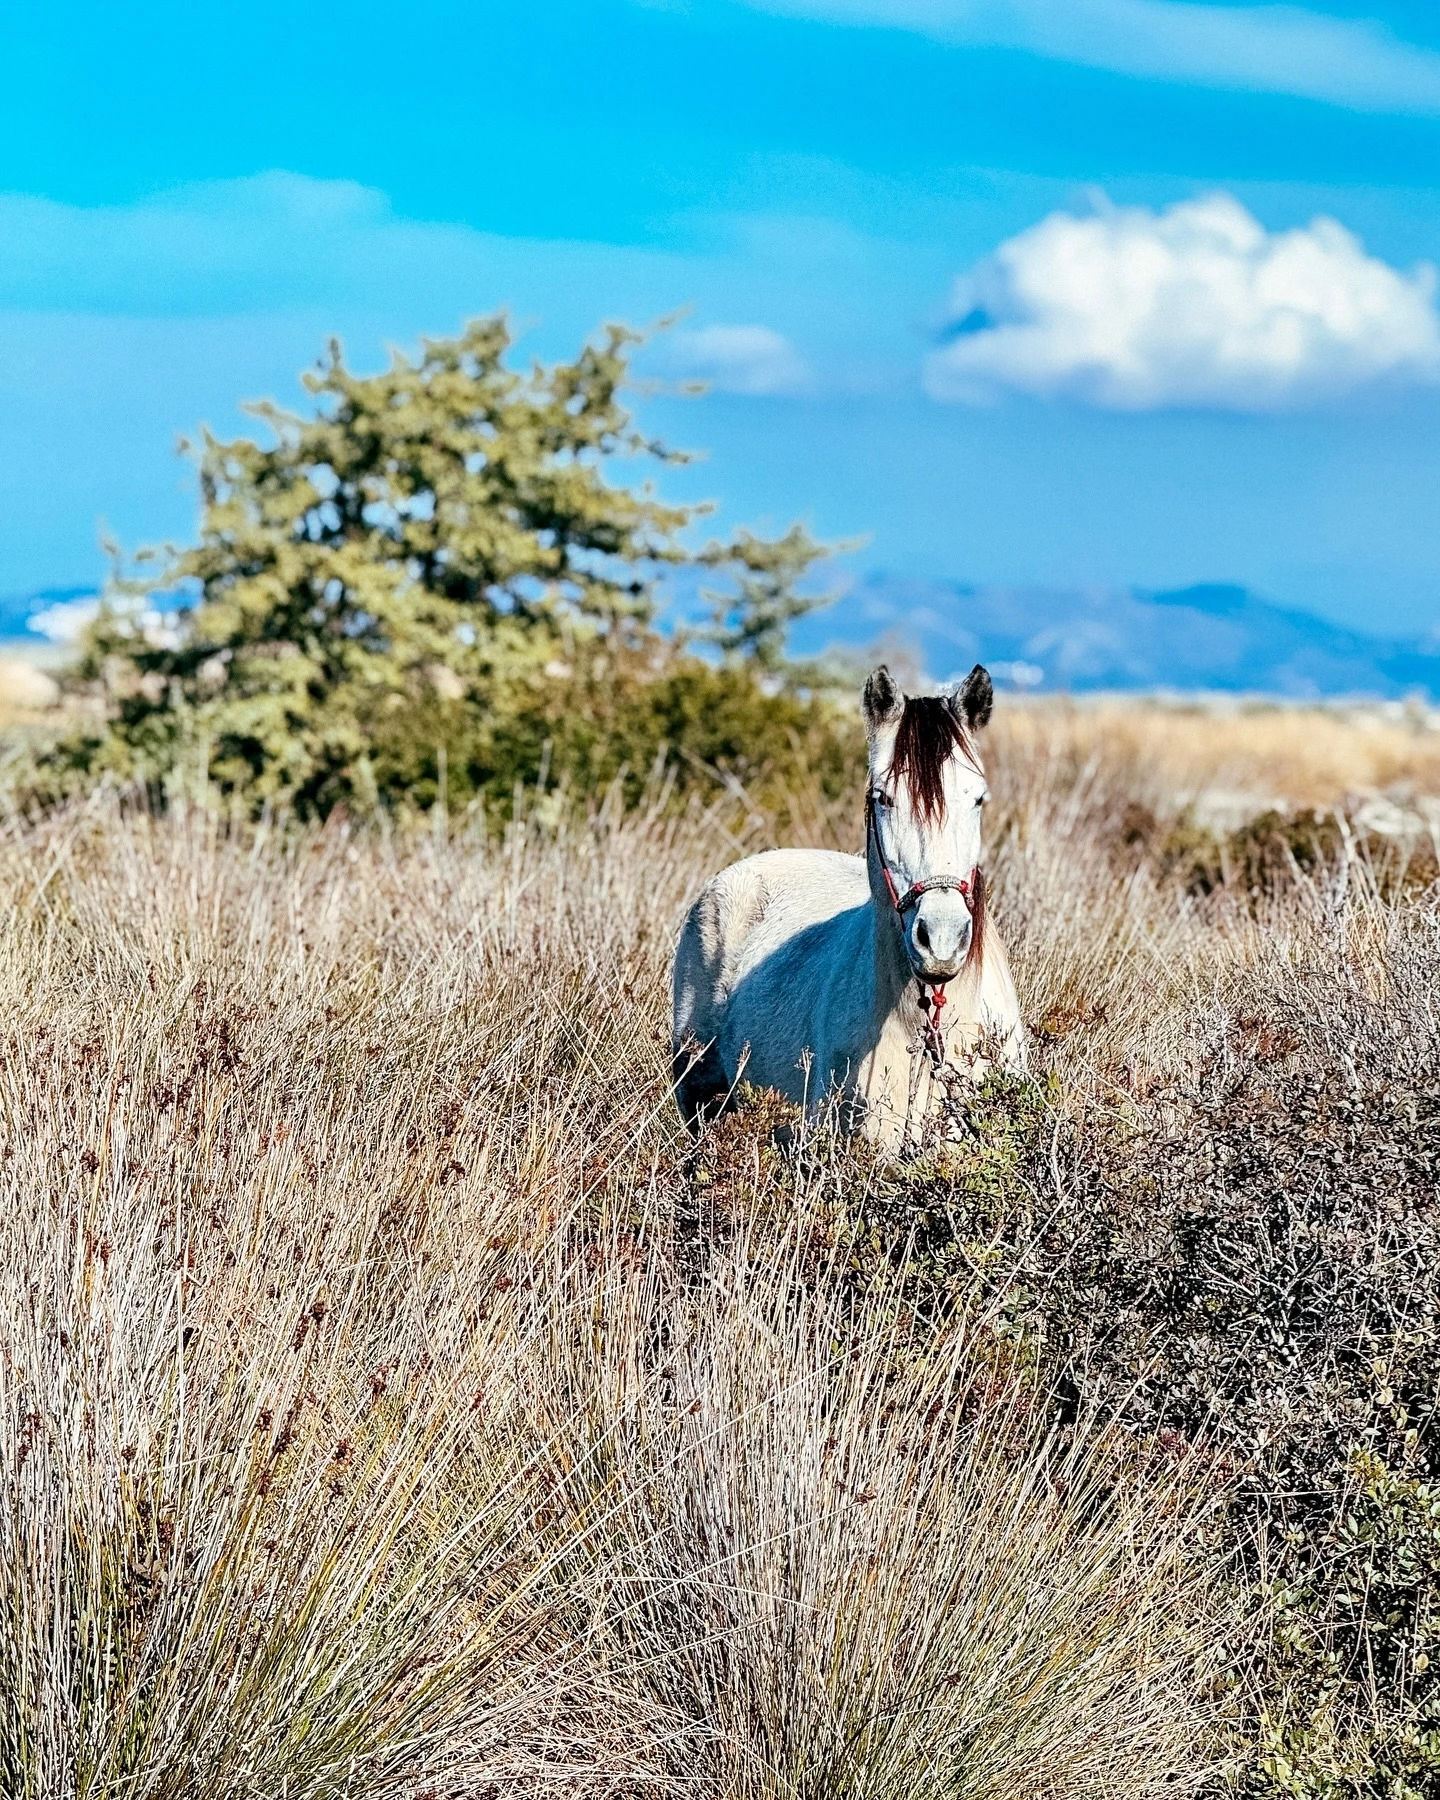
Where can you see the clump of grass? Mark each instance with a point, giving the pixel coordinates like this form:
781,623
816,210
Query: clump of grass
857,1560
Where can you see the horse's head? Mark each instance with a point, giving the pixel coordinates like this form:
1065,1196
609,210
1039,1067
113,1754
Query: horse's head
927,790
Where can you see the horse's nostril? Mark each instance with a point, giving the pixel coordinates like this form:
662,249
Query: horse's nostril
922,934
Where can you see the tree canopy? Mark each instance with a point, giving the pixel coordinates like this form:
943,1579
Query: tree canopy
431,549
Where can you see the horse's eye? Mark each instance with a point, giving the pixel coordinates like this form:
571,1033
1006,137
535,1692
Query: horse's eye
980,799
882,800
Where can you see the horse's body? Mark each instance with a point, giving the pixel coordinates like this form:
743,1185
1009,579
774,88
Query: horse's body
812,973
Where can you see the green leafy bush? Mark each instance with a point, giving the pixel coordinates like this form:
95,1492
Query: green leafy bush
701,721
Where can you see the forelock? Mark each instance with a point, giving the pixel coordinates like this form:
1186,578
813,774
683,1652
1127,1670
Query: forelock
928,734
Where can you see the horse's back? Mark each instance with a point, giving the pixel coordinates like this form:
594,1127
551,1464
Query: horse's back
743,915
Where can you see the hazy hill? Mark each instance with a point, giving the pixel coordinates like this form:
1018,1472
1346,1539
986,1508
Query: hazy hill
1214,637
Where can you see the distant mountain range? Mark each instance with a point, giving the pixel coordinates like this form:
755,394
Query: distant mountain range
1217,638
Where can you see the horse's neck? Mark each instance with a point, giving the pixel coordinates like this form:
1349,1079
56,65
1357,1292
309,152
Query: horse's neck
893,982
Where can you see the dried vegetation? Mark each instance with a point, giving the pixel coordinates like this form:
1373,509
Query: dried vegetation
394,1404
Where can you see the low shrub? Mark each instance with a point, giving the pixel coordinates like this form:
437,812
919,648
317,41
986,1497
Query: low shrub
1244,1260
699,723
1270,852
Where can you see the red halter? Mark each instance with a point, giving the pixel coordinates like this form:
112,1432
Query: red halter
932,994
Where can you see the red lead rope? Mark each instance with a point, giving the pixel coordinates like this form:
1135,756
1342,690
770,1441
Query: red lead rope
931,1001
932,995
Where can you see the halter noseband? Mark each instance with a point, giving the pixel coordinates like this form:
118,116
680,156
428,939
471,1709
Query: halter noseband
932,994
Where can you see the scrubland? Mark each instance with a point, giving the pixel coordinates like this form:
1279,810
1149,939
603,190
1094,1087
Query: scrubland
394,1401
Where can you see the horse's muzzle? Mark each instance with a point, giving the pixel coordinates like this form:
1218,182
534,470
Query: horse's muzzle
937,939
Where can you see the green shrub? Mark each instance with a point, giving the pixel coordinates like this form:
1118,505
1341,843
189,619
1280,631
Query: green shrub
1369,1580
700,721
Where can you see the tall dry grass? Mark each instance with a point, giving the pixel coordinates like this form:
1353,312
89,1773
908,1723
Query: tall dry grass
387,1408
1229,755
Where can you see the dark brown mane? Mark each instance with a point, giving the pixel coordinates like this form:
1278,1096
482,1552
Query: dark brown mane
977,924
929,733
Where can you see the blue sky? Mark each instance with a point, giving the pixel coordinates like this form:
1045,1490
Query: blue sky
1020,290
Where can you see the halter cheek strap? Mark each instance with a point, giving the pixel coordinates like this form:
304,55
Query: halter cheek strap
932,994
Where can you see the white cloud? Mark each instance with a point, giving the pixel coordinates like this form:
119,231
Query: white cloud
737,359
1195,306
65,621
1266,49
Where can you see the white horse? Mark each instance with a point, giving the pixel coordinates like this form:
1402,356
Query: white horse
876,977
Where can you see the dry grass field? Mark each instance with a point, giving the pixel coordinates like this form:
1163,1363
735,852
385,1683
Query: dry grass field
393,1402
1234,756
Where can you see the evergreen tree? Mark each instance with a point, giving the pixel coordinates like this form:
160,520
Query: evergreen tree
435,541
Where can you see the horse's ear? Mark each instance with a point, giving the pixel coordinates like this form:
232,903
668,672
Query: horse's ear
882,701
974,699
